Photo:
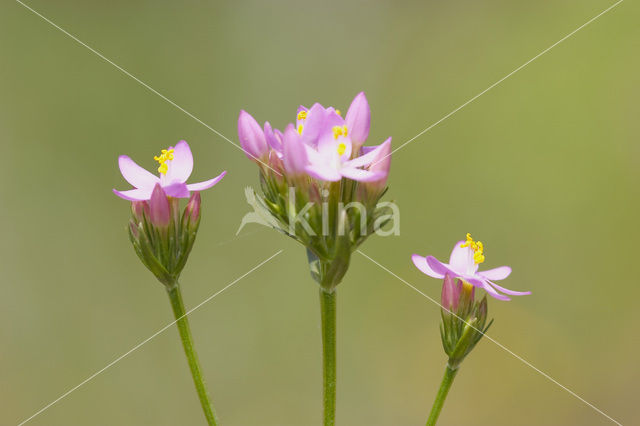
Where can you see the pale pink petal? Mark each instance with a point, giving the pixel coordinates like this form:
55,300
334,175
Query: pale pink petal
499,273
422,265
180,168
322,172
201,186
484,284
142,194
461,257
439,267
176,190
510,292
361,175
370,156
136,175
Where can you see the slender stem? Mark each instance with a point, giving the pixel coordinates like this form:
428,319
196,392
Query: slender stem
187,342
447,380
328,319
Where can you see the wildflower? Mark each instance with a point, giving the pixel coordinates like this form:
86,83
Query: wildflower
463,263
163,237
174,167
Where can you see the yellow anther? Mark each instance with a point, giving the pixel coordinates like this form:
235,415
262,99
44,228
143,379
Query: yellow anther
341,148
165,155
477,247
300,127
338,112
302,115
339,131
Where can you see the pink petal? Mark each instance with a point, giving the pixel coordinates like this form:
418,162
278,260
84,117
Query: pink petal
499,273
510,292
422,265
461,257
439,267
361,175
176,190
201,186
295,152
142,194
313,125
180,168
136,175
370,156
484,284
322,172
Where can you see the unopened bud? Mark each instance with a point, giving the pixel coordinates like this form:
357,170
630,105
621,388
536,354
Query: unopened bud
159,209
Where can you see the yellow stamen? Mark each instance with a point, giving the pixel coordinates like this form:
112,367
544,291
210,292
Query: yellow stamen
165,155
302,115
341,148
477,247
300,127
340,131
338,112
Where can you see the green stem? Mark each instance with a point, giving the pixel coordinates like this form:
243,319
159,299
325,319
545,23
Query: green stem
447,380
328,319
187,342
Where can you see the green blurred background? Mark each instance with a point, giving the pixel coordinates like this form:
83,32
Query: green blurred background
543,169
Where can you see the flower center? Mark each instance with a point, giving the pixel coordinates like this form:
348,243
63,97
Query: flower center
165,155
477,247
339,131
342,147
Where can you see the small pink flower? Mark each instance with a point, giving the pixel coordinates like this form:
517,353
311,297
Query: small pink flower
463,263
175,166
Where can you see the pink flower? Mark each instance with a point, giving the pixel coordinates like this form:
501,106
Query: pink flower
463,263
175,166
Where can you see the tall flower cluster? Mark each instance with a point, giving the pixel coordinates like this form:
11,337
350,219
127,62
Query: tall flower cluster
320,184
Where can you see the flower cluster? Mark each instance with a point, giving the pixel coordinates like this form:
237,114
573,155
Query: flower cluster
162,235
313,174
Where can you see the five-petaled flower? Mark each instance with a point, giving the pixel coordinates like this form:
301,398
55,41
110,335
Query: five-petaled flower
175,166
463,263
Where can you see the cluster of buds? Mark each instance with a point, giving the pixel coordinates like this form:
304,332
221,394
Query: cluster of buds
162,236
319,184
464,320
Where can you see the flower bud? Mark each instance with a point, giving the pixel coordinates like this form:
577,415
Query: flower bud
159,209
450,293
191,215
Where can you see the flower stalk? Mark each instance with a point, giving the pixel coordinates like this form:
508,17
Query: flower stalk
447,381
175,296
328,325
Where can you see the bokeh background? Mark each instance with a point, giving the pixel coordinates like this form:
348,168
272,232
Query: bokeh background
543,169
